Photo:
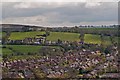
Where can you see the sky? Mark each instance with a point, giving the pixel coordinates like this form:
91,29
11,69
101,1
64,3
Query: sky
60,13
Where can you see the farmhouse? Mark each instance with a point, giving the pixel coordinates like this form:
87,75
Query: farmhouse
14,41
34,40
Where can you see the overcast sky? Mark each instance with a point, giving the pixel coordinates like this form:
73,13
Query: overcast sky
60,13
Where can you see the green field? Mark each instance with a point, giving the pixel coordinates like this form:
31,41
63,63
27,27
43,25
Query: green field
116,39
23,35
91,38
23,49
2,34
64,36
20,49
6,51
106,41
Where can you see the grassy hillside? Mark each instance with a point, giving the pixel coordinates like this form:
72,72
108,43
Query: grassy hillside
64,36
22,35
2,34
106,41
6,51
90,38
116,39
23,49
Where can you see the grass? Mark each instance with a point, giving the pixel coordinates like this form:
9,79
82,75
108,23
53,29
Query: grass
106,41
64,36
2,34
116,39
6,51
91,38
22,49
0,61
22,35
25,48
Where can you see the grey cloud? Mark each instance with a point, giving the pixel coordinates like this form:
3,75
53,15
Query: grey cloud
70,13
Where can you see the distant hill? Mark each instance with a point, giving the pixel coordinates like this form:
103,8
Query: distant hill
18,27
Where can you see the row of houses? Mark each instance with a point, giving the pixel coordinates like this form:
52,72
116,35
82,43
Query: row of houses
27,40
41,40
100,26
73,63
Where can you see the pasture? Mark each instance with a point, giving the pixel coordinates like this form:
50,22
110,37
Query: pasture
23,49
6,51
2,34
91,38
116,39
106,41
64,36
22,35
